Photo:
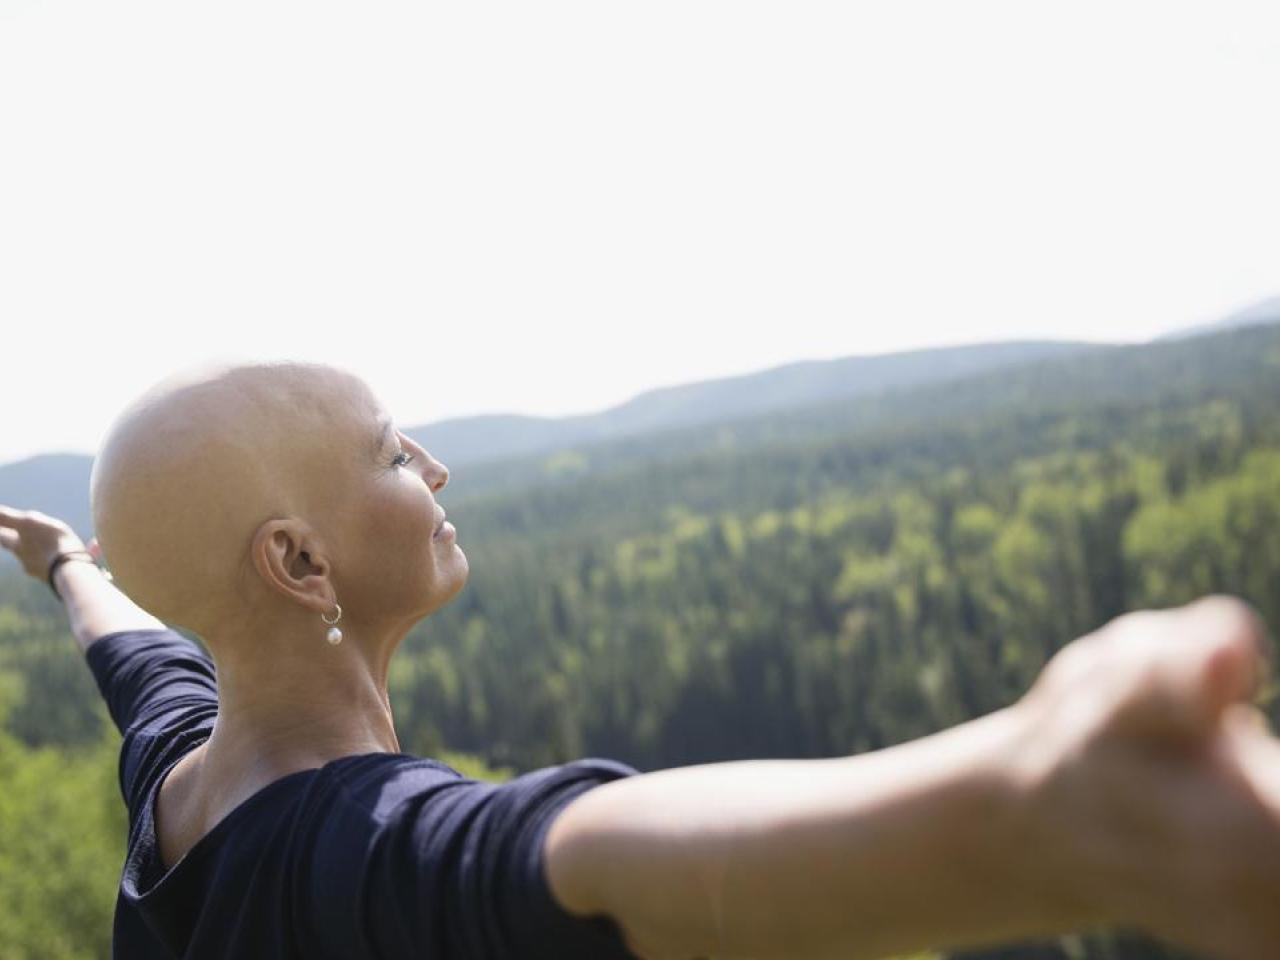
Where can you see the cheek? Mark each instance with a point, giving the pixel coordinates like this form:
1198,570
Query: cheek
394,532
411,520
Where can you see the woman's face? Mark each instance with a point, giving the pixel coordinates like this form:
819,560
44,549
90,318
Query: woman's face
404,562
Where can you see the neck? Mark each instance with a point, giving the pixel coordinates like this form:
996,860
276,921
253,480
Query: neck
292,705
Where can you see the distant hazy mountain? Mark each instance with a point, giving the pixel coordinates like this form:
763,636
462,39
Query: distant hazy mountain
1264,311
58,484
471,440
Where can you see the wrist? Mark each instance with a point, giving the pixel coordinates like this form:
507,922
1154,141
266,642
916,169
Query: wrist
74,559
1076,861
1021,847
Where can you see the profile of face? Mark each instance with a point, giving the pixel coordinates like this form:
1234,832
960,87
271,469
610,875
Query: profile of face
260,493
392,528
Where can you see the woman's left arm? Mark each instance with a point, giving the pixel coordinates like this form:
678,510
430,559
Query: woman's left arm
94,605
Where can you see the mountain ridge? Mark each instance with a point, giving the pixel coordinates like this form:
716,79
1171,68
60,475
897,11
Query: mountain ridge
490,437
1256,314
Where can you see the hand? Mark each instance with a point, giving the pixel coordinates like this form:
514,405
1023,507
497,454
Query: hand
1155,784
35,539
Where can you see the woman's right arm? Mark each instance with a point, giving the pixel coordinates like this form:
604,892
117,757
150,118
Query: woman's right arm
95,607
1131,786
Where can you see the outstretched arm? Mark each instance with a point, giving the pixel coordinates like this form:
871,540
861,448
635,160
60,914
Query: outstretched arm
95,607
1131,786
920,845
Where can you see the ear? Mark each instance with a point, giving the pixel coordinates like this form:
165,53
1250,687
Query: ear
289,559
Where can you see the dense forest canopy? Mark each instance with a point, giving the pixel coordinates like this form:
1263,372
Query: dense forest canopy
812,583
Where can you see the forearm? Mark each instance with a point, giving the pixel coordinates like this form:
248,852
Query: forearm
95,607
922,845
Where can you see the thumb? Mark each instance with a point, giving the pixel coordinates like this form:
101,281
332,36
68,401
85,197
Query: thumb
8,538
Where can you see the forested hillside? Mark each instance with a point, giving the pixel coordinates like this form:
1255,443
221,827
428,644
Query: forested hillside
821,582
58,483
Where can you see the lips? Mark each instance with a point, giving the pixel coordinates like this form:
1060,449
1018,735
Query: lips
439,526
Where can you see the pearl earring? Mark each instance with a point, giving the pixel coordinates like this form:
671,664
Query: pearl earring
335,635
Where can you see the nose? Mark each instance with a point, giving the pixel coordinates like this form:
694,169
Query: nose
437,474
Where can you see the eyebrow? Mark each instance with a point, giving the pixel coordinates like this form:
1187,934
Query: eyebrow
387,431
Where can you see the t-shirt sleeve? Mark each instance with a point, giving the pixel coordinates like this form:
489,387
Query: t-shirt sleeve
458,871
161,691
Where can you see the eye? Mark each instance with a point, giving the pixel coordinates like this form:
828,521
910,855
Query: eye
398,462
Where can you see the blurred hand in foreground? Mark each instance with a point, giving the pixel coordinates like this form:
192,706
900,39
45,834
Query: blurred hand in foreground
1160,778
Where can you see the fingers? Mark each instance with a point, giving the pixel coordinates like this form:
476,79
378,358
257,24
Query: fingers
1257,751
1248,718
32,521
1238,650
1177,670
10,517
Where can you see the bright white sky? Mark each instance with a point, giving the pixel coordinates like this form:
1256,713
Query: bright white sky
549,207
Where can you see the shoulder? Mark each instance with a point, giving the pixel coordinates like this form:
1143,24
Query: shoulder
136,669
385,788
421,804
441,860
141,641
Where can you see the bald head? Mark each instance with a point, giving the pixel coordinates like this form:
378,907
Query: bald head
192,468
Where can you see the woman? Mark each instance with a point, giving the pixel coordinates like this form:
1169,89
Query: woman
275,510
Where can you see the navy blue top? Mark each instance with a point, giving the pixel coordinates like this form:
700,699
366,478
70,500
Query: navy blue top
376,855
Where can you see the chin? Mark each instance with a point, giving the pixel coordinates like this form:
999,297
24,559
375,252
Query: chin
444,592
461,580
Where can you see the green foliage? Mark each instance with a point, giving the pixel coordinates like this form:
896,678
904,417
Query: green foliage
64,829
1220,536
470,765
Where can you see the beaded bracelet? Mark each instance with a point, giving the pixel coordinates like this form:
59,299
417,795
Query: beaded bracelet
62,558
